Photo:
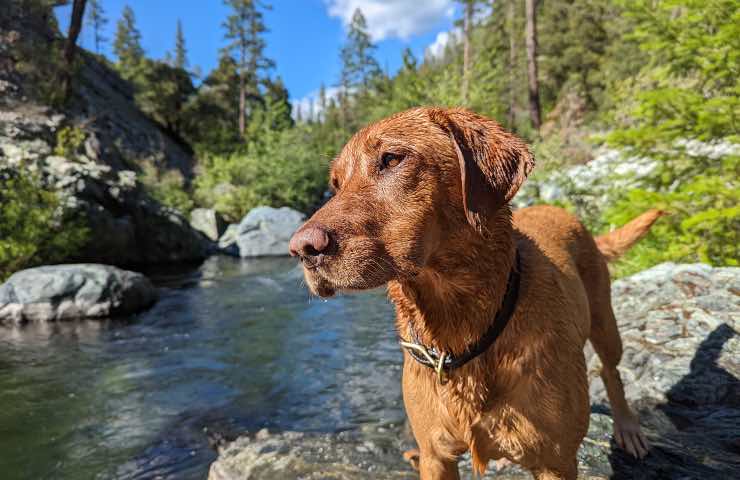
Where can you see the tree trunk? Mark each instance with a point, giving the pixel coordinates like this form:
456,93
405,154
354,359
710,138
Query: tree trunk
511,14
70,47
242,91
468,32
242,105
534,86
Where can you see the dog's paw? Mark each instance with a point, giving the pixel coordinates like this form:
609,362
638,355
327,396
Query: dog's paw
412,456
629,436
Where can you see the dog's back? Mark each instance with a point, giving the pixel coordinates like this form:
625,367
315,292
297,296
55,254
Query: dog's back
570,249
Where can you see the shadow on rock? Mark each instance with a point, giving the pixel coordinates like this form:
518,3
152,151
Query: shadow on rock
695,433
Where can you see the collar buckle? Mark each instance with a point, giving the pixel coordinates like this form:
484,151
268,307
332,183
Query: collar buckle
437,364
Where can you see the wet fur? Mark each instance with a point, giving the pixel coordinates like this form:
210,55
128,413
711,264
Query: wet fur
438,231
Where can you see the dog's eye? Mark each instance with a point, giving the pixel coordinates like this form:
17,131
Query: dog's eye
390,160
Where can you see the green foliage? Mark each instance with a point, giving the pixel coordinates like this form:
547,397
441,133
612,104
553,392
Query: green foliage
162,92
69,141
282,170
703,225
168,188
34,227
687,91
211,115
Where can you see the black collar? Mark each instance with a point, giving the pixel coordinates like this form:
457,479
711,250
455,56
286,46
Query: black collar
443,363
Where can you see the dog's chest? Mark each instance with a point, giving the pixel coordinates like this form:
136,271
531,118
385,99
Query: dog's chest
503,432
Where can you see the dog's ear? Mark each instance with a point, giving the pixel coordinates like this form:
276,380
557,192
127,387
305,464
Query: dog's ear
493,163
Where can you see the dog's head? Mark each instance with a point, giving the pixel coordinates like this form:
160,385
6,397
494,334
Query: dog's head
402,187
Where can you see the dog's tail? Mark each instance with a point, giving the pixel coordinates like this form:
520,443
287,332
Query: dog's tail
616,243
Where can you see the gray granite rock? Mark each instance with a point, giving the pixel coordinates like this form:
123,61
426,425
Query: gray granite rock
209,222
681,367
227,241
73,291
266,231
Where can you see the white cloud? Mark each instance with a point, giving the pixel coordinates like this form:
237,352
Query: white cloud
443,39
393,18
437,48
310,104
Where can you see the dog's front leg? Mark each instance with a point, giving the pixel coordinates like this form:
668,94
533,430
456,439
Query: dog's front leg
433,467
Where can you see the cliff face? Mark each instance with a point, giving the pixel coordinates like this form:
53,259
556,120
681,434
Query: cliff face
114,142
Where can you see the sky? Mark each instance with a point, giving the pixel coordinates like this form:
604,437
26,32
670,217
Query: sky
304,38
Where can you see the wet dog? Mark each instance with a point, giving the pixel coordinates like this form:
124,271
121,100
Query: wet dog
421,203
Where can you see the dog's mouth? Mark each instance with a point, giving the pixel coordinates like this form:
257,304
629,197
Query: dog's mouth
328,275
321,287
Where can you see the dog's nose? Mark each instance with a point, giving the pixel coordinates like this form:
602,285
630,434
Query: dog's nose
309,241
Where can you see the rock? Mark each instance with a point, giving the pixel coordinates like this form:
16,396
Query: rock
227,243
209,222
587,182
266,231
592,186
73,291
681,370
667,311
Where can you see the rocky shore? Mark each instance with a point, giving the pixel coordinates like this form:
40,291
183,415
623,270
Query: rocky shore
680,325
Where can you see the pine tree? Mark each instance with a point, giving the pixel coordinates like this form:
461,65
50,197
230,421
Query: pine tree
216,105
534,86
181,53
244,29
359,66
311,109
322,103
360,69
467,24
97,21
127,44
510,22
277,102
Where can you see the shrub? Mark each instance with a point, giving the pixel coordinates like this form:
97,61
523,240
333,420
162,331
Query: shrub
69,141
168,188
703,225
282,170
34,227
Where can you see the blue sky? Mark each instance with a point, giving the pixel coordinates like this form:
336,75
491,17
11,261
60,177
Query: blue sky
304,39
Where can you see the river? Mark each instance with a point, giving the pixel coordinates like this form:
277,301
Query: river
231,346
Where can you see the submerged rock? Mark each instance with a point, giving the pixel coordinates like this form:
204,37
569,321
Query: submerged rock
681,370
266,231
65,292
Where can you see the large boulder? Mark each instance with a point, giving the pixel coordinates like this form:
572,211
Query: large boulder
681,369
73,291
266,231
208,222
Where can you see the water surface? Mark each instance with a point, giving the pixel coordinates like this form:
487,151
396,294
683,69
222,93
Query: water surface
232,346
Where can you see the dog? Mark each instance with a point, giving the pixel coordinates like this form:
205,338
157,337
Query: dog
421,204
